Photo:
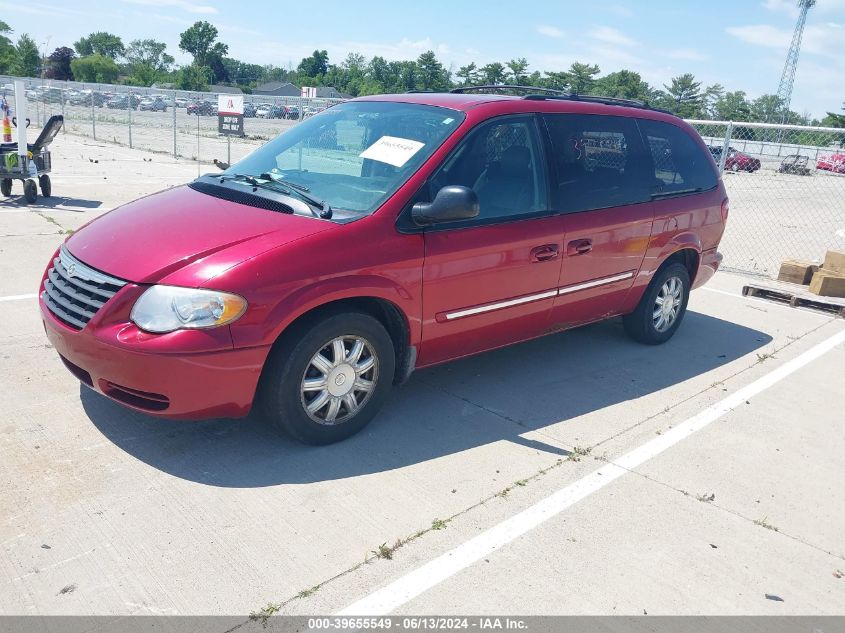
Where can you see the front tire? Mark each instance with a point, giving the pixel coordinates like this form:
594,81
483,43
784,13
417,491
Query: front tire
327,379
662,307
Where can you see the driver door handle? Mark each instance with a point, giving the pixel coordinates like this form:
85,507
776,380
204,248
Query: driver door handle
544,253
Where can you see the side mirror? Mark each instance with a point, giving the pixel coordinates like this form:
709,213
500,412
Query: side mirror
452,203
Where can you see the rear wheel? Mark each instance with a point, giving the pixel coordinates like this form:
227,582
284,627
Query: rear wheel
662,307
6,186
325,382
30,191
46,186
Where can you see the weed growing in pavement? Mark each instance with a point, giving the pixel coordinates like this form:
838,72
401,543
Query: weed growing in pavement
765,523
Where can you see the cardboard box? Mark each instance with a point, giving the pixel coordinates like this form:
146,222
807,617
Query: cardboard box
835,261
828,283
797,272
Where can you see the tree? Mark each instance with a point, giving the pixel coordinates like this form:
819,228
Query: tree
7,51
468,73
518,68
732,106
684,96
27,59
199,40
58,64
767,108
149,53
493,74
834,120
582,77
194,77
95,68
556,81
100,43
623,84
314,66
432,74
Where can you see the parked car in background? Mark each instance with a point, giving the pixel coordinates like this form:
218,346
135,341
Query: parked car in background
795,164
204,108
153,104
181,102
123,101
86,97
249,110
295,278
263,110
832,162
737,161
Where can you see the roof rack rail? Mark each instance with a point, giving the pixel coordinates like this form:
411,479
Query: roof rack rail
529,89
628,103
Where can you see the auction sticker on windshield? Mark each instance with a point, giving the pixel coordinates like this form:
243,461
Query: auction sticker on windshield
392,150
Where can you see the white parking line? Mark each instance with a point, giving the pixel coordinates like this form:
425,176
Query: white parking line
18,297
411,585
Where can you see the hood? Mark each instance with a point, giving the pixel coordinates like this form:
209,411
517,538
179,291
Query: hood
148,239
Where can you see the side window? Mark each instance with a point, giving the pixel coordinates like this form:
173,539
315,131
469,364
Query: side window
599,162
680,165
501,161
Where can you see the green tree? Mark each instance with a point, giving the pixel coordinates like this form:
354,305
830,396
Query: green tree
194,77
582,77
27,59
623,84
556,81
493,74
684,96
468,73
712,95
432,74
149,53
100,43
767,108
518,68
314,66
7,51
58,64
200,41
834,120
732,106
95,68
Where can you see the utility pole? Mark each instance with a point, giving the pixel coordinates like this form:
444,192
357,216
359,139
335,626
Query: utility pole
787,79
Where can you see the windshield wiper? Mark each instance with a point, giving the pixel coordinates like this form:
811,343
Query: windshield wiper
302,192
287,188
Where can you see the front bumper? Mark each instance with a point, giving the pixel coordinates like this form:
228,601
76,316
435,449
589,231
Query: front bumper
190,374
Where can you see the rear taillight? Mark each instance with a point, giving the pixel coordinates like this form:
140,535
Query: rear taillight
726,207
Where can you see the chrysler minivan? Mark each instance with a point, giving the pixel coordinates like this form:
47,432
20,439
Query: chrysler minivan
381,235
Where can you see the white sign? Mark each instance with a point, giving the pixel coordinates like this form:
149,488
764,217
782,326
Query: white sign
308,93
392,150
230,104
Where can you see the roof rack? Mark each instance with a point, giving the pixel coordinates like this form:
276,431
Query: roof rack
529,89
539,94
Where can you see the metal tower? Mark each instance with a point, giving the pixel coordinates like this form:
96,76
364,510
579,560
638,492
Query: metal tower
787,79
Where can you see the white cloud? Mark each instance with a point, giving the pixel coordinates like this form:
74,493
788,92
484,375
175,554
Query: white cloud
610,35
825,39
620,10
549,31
790,7
185,5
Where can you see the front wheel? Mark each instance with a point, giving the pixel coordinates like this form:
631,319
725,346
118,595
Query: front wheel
324,382
30,191
46,186
662,307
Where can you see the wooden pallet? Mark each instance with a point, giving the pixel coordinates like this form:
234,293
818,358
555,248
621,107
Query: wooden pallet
795,295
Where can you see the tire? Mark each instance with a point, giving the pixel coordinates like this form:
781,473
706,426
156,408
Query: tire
285,396
45,185
6,186
30,191
644,324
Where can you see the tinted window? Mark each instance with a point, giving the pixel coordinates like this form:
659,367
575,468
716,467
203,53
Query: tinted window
598,162
680,165
501,161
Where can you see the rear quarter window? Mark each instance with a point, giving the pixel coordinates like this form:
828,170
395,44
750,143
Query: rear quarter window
680,164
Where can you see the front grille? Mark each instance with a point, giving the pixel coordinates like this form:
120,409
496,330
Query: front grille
74,291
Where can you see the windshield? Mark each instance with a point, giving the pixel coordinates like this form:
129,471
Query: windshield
356,154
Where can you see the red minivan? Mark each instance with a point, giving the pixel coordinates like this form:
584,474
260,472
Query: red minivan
385,234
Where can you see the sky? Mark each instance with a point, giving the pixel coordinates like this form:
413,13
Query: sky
740,44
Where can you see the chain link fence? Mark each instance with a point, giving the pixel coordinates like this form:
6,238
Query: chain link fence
786,183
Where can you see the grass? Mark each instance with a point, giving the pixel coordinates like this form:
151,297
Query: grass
705,498
764,357
765,523
577,453
264,613
438,524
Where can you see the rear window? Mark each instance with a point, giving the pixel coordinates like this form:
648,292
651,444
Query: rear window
680,165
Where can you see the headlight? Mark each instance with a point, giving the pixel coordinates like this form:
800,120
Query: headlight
169,308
